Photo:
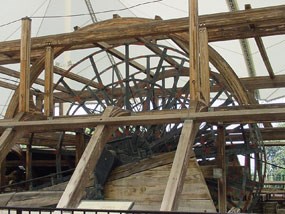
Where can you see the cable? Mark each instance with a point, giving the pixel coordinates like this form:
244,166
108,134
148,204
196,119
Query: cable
175,8
83,14
9,23
43,17
101,12
271,46
226,49
126,7
20,19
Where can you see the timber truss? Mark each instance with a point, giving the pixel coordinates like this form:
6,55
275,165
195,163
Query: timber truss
143,105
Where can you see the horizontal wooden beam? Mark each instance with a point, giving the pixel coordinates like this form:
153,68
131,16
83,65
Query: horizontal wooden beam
250,83
274,143
263,82
156,117
222,26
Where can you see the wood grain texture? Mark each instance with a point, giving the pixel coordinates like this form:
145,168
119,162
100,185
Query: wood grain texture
146,188
24,98
48,96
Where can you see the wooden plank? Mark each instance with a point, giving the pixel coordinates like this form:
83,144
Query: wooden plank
204,65
76,186
218,24
25,66
174,116
48,97
5,198
35,199
147,187
177,174
16,74
194,51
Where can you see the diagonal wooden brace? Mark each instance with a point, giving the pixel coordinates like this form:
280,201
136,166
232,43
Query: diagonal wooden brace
76,186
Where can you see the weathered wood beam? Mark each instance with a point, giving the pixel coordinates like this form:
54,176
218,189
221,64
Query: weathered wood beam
179,167
221,26
259,82
76,186
16,74
262,49
48,97
174,116
24,93
204,65
194,72
8,85
264,56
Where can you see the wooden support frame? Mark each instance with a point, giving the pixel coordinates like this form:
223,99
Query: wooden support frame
48,97
179,167
75,188
164,117
25,66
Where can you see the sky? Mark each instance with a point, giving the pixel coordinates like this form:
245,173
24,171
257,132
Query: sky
13,10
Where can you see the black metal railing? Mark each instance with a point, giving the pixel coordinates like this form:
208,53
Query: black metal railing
23,210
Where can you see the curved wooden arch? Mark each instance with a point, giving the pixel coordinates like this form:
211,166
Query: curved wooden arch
36,70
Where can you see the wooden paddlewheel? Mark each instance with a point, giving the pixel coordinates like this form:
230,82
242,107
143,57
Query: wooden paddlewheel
159,81
130,94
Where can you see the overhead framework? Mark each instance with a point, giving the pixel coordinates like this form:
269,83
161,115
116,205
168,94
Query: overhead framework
164,105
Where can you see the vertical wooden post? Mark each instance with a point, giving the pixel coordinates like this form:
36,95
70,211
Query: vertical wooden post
194,50
221,161
3,173
60,109
179,167
58,155
204,65
48,99
39,102
29,161
79,146
25,66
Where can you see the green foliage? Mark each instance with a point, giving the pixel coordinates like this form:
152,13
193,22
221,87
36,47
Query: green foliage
276,157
